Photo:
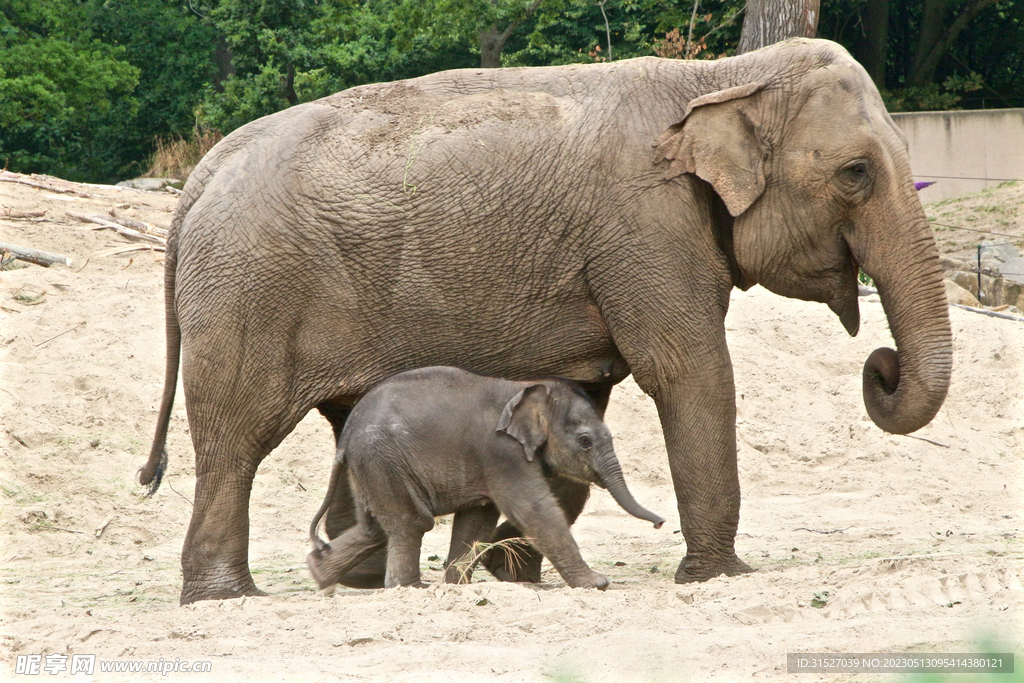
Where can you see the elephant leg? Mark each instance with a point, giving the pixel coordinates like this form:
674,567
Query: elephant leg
339,556
341,515
404,556
526,565
215,556
698,417
470,526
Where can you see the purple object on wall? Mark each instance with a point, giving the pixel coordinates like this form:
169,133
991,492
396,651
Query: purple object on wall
920,186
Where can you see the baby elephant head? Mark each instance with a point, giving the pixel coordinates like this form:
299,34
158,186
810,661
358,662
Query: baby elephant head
576,443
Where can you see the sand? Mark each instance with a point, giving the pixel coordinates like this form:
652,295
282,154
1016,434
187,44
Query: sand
862,541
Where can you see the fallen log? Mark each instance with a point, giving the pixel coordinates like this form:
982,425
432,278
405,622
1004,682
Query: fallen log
122,230
40,258
8,177
141,226
9,213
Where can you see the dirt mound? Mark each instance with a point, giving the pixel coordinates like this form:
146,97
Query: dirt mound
863,541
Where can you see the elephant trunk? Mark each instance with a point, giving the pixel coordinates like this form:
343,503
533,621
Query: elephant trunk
904,389
610,476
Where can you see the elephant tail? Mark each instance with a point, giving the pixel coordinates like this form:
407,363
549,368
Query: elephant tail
152,473
339,466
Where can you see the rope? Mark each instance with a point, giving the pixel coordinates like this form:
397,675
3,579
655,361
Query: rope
960,177
987,232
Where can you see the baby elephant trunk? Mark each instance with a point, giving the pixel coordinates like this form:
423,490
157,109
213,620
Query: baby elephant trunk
608,469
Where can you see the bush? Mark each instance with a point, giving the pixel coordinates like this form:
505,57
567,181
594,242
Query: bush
176,157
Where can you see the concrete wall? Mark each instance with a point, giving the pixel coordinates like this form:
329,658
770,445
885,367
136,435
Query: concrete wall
986,144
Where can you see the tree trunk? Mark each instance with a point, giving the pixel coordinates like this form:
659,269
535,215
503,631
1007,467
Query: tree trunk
288,85
492,41
873,50
224,60
934,38
933,16
769,21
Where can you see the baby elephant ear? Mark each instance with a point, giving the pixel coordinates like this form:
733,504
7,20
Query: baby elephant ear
525,418
717,140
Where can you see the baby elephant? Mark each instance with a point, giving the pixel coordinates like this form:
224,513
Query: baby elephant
439,440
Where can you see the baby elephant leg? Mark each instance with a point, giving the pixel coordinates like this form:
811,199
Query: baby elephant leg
544,523
525,567
404,543
404,559
346,551
470,526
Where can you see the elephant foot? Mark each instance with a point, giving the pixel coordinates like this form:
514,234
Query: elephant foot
692,570
195,592
594,580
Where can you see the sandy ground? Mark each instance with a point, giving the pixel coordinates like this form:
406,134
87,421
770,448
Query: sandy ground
863,541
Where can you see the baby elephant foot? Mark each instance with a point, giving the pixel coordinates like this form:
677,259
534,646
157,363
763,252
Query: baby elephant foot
595,580
315,562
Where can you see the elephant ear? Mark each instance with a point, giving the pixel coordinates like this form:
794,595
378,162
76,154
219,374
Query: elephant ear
525,418
717,140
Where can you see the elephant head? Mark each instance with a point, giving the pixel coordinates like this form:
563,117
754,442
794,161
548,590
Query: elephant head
558,423
816,178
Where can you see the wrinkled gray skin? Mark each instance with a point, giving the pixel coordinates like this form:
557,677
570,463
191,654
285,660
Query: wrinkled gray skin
438,440
584,221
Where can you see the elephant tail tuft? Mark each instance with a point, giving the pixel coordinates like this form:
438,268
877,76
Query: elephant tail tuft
151,478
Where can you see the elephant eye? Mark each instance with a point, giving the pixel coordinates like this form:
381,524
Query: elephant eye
854,177
585,440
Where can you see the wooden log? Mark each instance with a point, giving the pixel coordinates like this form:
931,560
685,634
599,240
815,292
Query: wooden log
9,213
141,226
40,258
8,177
122,230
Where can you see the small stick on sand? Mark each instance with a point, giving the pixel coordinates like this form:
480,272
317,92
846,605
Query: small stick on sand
72,329
103,527
921,438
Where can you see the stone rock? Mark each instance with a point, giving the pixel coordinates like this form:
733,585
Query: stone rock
1013,269
949,264
1011,292
958,295
151,184
995,291
999,251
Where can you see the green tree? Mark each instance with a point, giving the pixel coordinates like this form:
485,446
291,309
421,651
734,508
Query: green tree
65,97
174,50
935,54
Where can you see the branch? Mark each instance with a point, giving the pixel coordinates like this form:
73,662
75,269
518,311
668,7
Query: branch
130,233
40,258
607,30
956,28
689,38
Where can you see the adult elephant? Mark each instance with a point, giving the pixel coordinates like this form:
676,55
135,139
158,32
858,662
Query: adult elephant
587,221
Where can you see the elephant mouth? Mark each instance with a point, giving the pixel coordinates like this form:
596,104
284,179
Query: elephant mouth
846,305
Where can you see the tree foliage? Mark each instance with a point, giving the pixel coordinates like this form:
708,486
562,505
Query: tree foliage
935,54
87,87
